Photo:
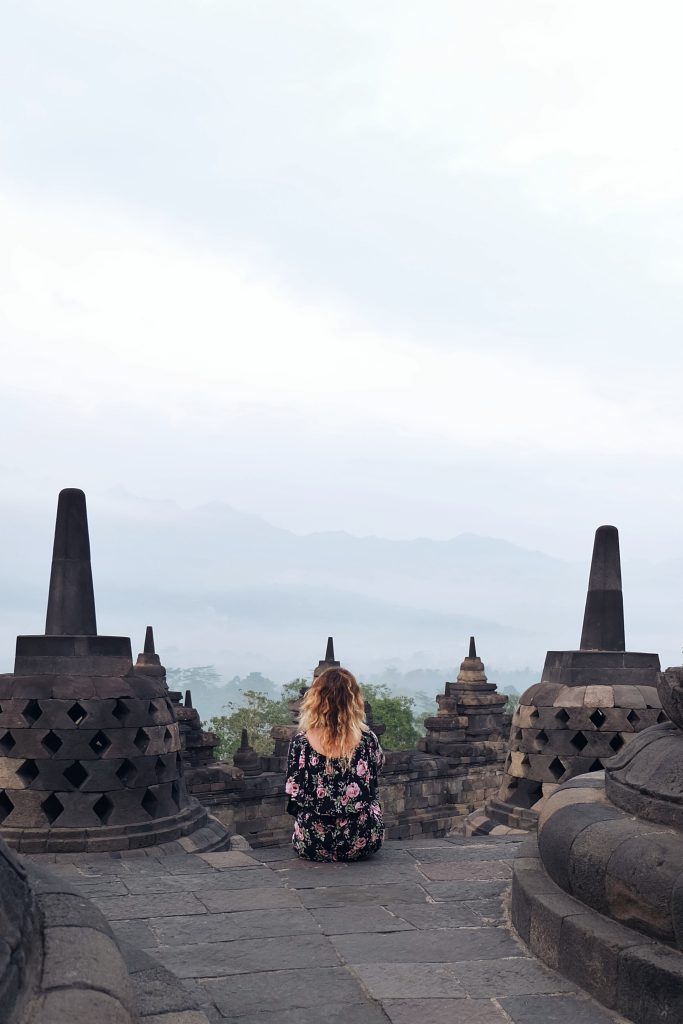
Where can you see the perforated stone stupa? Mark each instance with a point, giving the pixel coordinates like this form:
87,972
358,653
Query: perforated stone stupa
589,704
89,745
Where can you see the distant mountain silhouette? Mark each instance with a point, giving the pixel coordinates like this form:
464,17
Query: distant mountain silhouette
225,587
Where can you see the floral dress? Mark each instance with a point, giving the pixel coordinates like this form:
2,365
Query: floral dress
334,800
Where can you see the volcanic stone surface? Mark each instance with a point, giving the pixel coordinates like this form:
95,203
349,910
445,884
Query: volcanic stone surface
418,932
90,753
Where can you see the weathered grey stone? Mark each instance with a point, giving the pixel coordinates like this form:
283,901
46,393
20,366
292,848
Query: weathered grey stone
125,908
435,915
354,920
157,990
470,871
219,959
590,947
444,1011
418,981
650,984
427,946
446,891
554,1009
251,924
379,895
66,1006
85,958
239,995
159,882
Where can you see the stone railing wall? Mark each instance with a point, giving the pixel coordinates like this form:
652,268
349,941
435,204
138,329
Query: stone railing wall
421,794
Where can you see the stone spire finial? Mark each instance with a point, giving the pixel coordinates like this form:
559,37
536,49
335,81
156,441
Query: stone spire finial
244,740
603,620
473,648
71,600
329,660
149,641
188,699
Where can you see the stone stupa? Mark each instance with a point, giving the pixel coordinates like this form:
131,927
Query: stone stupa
469,722
589,705
90,755
598,895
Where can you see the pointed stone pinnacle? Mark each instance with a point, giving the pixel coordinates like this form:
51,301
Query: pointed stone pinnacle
473,648
244,740
188,698
149,641
329,653
603,620
71,600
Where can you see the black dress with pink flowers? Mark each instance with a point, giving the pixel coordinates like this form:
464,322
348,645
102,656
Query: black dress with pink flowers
334,800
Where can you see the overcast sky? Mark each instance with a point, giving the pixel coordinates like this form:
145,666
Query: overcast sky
394,268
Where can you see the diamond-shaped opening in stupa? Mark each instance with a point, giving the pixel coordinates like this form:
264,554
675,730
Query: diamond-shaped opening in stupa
6,806
557,769
32,712
103,808
141,740
52,808
28,772
598,718
77,713
150,803
126,772
7,741
75,774
120,711
579,741
100,743
51,742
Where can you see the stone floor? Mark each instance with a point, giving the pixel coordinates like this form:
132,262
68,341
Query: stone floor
417,934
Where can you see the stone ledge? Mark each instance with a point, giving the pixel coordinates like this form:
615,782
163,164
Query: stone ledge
621,968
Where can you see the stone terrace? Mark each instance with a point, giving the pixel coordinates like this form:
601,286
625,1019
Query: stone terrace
419,933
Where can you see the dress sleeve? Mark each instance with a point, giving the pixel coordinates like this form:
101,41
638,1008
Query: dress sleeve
296,775
376,761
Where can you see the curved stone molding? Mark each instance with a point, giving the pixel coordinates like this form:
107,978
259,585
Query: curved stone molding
647,778
629,972
20,942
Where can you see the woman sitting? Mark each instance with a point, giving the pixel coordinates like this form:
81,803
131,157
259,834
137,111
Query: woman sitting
332,770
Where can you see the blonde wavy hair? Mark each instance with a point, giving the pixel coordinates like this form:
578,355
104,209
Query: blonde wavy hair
334,705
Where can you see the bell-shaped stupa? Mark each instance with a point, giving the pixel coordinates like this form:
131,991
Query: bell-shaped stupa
589,705
89,747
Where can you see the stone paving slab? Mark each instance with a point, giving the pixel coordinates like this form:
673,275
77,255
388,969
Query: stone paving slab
242,878
560,1009
377,895
298,988
417,935
470,871
248,924
444,1011
359,919
435,946
247,956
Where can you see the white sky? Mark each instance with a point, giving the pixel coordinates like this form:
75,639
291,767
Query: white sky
396,268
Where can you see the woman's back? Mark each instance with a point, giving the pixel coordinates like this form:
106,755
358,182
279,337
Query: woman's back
334,797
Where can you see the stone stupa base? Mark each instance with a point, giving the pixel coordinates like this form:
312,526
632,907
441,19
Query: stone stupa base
111,838
635,974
